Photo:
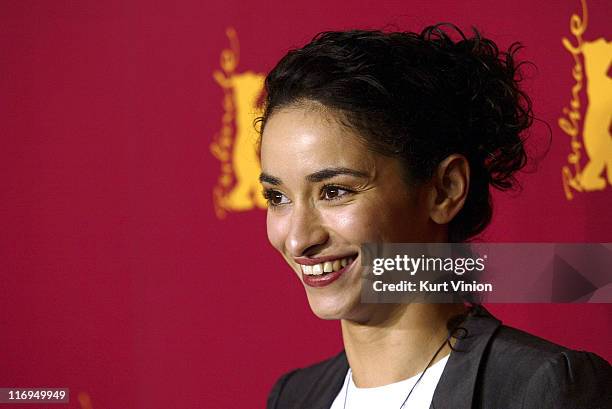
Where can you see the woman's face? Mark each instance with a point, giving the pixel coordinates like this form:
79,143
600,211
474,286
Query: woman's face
327,195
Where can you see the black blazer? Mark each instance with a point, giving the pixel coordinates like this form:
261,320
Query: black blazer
493,367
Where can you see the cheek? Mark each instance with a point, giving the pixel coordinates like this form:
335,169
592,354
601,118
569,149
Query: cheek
357,223
377,221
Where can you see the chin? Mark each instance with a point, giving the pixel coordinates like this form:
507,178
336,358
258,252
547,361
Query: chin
330,308
326,314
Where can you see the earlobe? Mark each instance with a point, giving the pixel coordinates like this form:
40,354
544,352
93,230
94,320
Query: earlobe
450,185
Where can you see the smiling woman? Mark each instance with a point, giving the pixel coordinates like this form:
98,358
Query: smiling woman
328,194
373,137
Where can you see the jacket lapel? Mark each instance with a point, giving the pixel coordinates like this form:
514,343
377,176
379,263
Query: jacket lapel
326,388
458,382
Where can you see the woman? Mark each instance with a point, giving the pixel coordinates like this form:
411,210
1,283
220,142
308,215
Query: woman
396,137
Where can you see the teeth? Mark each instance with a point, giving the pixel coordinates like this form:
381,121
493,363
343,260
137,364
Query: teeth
327,267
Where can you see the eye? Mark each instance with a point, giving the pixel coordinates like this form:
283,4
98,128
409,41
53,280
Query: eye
274,197
333,192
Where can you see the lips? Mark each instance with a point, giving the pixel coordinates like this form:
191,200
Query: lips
326,267
323,271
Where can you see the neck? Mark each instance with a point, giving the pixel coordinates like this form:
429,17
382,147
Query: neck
384,351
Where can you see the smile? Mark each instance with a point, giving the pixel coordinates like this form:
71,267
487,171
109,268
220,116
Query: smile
326,271
326,267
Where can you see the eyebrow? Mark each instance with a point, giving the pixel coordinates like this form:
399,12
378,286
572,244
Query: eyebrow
317,176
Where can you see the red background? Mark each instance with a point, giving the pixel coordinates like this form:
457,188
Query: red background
118,280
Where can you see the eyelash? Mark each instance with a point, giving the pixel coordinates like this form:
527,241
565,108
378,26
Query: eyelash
268,193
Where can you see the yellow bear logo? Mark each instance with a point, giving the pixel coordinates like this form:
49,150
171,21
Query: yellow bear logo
592,61
238,187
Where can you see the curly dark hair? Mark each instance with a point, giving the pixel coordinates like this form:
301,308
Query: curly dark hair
418,97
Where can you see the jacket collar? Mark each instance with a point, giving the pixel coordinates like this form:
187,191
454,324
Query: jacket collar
457,384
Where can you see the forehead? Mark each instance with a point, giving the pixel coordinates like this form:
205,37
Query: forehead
307,138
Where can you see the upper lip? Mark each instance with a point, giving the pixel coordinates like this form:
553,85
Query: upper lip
311,261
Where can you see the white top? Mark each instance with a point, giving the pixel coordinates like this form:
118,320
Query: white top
391,396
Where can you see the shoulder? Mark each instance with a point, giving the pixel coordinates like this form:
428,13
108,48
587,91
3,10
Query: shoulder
535,373
294,386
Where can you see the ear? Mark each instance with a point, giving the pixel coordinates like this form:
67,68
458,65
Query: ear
449,188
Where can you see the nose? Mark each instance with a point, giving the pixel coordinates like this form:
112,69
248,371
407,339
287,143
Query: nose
306,231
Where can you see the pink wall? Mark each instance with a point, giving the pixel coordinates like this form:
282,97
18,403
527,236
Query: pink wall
117,279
